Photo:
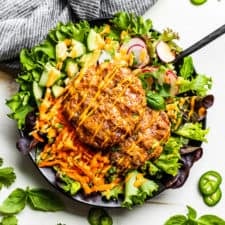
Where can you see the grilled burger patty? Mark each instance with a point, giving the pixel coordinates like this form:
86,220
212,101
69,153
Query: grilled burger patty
104,103
146,142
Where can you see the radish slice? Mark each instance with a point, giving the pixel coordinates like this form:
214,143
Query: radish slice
137,47
164,52
171,78
133,41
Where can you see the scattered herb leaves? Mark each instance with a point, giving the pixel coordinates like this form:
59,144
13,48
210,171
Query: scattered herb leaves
39,199
191,219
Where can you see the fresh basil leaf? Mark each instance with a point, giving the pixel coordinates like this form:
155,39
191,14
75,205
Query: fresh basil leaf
9,220
192,214
155,100
191,222
211,220
176,220
44,200
14,203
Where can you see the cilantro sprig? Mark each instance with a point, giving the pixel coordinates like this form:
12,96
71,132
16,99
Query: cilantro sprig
7,175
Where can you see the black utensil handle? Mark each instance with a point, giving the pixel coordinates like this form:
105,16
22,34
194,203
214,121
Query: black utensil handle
204,41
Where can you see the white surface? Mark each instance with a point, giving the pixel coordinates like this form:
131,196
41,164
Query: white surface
192,23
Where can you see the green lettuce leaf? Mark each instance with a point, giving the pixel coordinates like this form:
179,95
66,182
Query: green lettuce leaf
78,31
136,194
135,25
193,131
20,107
187,68
168,162
200,84
114,193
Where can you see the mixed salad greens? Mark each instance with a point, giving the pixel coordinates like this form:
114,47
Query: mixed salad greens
176,89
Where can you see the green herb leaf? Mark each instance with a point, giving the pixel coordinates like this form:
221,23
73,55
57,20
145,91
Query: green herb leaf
9,220
7,176
191,220
187,68
155,100
210,220
192,214
176,220
15,202
44,200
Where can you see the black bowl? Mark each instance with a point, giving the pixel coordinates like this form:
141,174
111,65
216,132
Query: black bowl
186,161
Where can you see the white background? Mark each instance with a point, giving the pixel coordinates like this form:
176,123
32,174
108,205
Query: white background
192,23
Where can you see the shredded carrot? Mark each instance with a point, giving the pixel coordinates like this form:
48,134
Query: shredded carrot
66,152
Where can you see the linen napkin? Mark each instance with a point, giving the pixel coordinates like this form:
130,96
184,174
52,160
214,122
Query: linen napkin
25,23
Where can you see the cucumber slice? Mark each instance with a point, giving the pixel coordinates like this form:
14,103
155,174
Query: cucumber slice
57,90
90,59
94,40
37,91
77,49
49,76
61,51
71,67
